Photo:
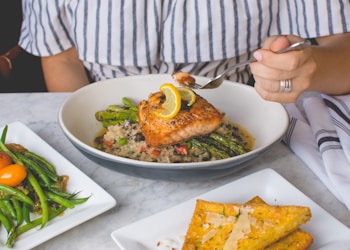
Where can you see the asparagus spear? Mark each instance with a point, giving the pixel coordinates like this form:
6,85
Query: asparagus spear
233,145
215,152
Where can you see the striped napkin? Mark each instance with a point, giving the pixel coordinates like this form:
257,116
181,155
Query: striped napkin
319,133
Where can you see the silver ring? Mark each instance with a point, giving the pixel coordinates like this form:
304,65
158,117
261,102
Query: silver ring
285,86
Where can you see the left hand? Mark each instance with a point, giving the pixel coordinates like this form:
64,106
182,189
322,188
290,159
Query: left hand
271,68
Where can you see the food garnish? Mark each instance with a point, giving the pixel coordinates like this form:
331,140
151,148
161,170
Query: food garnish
187,95
31,191
172,103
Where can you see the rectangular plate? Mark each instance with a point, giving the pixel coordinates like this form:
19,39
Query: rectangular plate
168,228
99,202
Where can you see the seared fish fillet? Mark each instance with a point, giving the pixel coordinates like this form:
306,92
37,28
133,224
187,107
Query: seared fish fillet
184,78
199,119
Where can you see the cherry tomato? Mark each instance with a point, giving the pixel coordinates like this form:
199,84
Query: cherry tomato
107,143
12,175
155,152
182,149
5,160
143,150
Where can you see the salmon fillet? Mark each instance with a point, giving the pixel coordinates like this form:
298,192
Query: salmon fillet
183,78
199,119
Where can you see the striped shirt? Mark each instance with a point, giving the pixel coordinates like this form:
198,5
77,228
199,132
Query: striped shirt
128,37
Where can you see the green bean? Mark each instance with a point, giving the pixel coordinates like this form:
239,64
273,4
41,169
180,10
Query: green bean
61,193
24,228
42,160
26,213
42,184
35,168
10,153
18,209
69,196
60,200
4,210
3,134
42,198
6,222
16,193
77,201
7,208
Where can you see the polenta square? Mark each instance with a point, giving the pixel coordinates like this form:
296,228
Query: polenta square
296,240
216,226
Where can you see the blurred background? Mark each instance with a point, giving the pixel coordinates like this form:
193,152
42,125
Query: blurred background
26,73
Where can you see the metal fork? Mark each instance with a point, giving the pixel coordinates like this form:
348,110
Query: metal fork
217,81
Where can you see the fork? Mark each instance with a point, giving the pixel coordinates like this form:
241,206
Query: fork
217,81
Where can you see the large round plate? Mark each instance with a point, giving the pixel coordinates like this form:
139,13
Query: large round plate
266,121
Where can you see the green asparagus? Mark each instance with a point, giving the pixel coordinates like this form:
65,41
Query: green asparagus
118,114
233,145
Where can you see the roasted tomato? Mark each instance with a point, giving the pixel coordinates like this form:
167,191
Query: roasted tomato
12,175
182,149
5,160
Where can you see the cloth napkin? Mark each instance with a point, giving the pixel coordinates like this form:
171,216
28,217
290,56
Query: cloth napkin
319,133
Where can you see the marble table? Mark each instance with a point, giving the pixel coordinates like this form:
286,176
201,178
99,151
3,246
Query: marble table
138,198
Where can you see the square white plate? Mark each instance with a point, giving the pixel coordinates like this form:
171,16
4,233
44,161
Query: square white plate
169,227
99,202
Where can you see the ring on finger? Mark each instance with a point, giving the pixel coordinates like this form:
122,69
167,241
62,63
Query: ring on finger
285,86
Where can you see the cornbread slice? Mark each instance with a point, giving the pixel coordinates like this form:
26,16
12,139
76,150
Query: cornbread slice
297,240
241,226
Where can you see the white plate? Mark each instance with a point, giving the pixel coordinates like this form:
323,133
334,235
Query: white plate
170,226
266,121
99,202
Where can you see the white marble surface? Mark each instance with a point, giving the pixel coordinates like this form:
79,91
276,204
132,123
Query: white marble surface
138,198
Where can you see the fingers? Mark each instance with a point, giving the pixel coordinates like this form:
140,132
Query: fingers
272,92
276,43
272,68
270,89
288,61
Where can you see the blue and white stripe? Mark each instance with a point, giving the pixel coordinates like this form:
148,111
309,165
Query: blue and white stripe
159,36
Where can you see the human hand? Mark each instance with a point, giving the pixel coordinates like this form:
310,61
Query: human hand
271,68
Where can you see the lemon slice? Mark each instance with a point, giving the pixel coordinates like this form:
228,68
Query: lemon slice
187,95
172,104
